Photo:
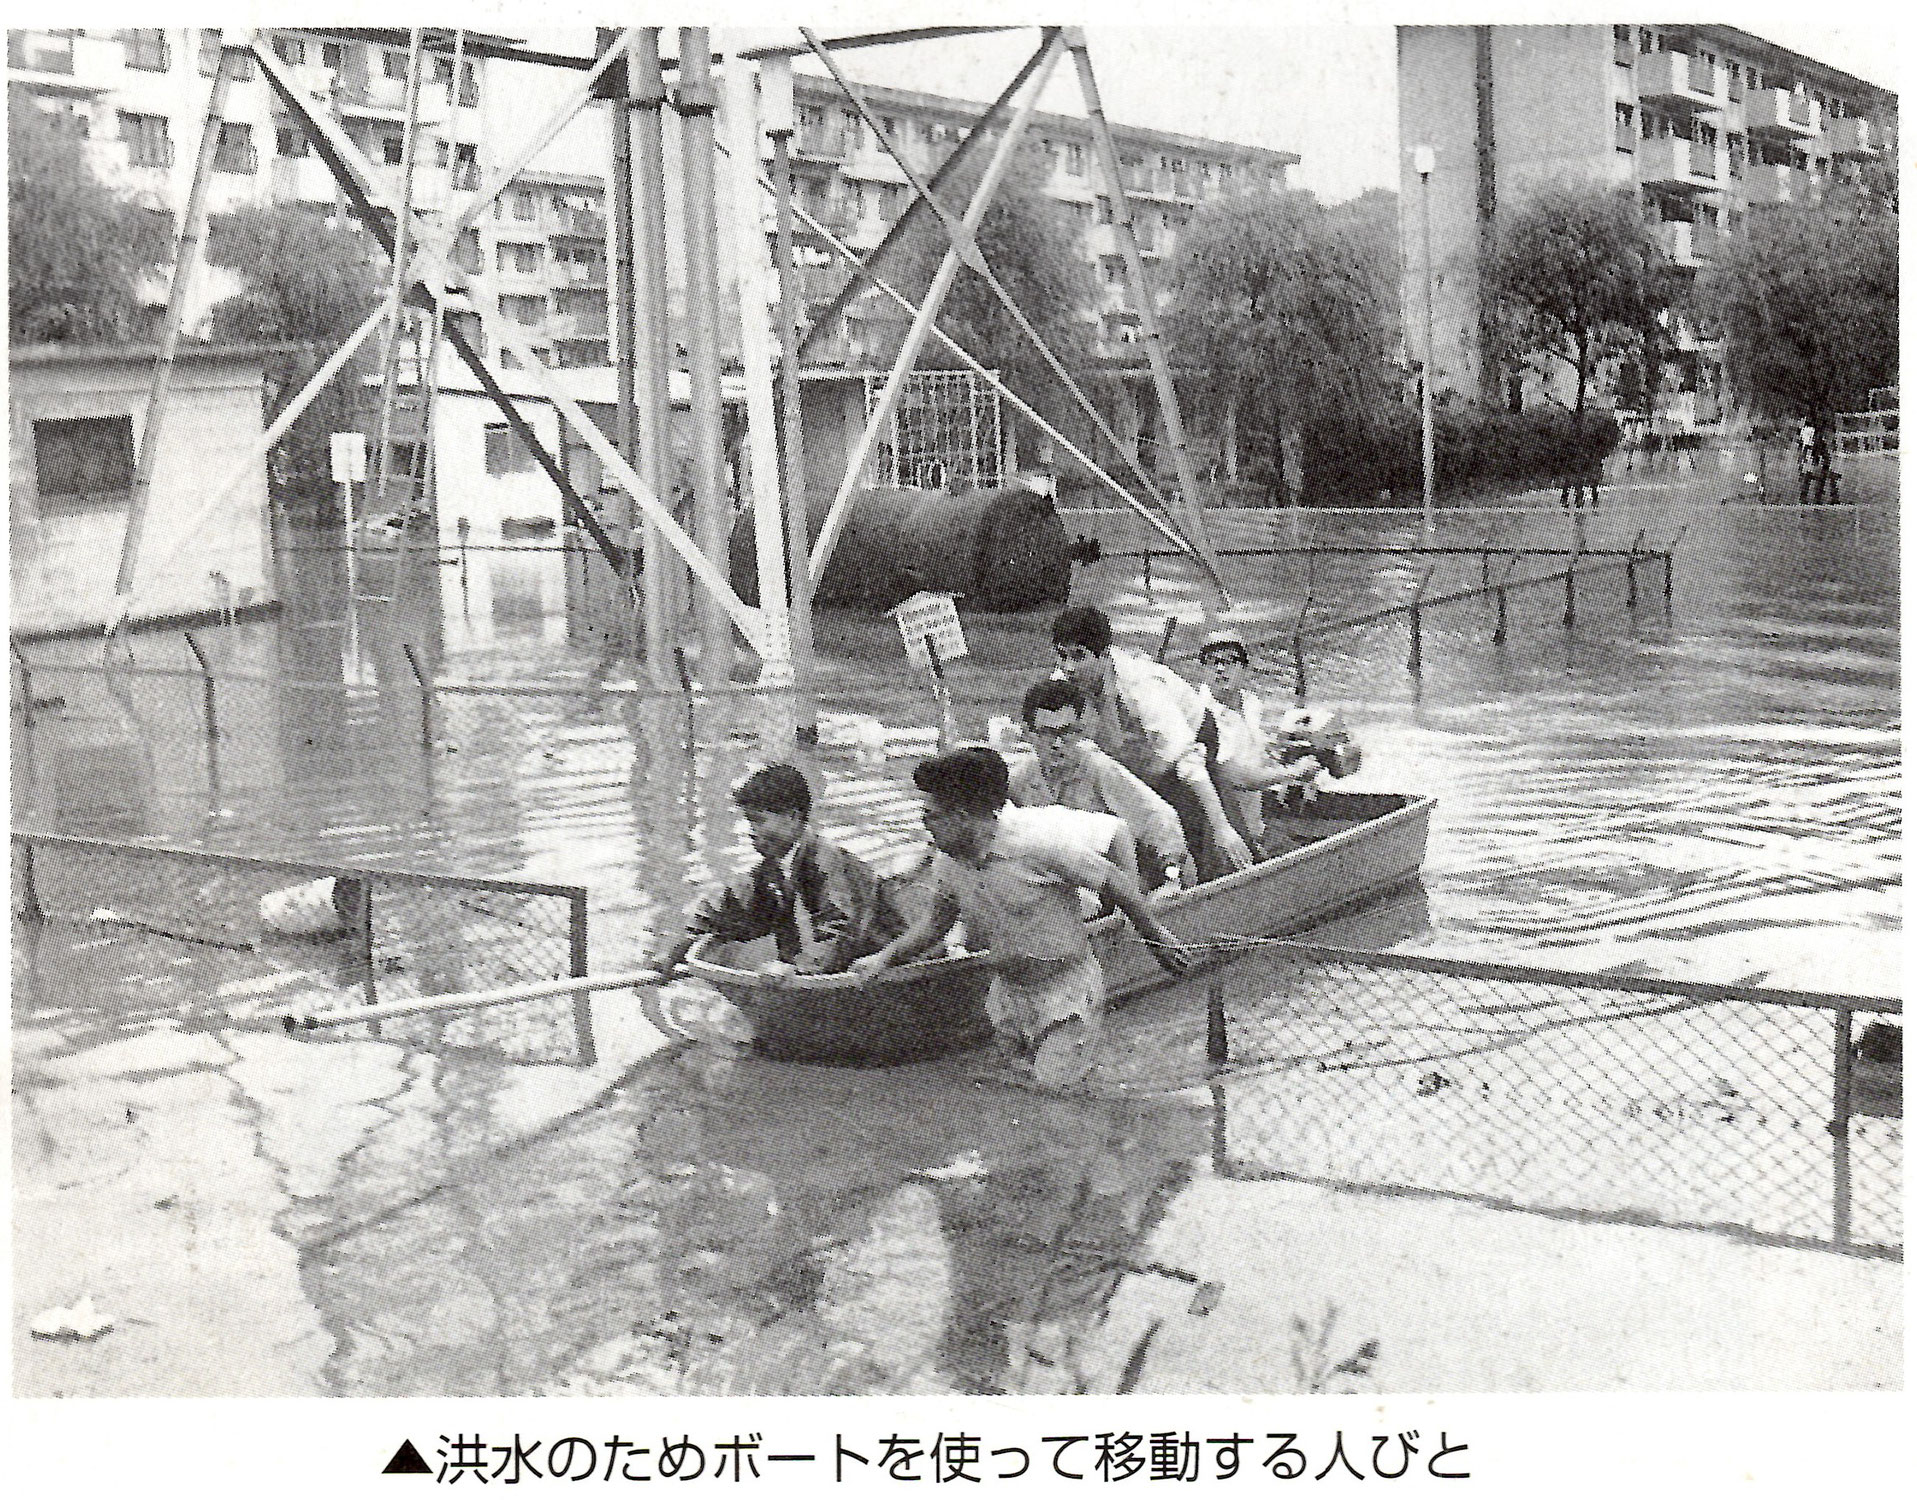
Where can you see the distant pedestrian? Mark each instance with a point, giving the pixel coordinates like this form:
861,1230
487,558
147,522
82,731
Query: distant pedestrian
1813,465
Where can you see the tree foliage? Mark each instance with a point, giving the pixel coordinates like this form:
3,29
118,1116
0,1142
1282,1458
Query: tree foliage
306,282
1290,309
77,250
1030,241
1578,278
1806,303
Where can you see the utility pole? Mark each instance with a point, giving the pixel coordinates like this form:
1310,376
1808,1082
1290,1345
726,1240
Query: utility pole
1423,159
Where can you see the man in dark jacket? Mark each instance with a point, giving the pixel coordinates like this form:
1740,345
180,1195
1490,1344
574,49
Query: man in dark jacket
821,905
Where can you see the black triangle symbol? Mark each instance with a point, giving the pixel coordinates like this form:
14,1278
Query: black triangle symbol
407,1461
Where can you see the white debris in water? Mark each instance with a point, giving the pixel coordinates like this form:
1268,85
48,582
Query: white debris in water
966,1164
80,1323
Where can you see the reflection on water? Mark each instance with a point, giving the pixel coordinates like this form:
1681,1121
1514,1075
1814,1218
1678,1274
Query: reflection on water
1711,794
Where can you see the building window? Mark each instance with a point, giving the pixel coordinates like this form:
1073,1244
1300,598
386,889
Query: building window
1112,269
147,50
1104,209
291,50
529,311
466,166
468,86
333,55
392,149
525,204
235,151
1626,132
466,253
1646,42
506,453
1075,158
393,64
147,143
82,459
291,140
891,201
522,260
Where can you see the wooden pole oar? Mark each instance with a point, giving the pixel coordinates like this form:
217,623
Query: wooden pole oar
472,999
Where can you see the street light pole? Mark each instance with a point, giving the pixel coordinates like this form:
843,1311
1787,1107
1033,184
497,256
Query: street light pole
1422,160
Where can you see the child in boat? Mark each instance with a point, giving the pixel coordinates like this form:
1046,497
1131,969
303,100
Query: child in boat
822,905
1018,896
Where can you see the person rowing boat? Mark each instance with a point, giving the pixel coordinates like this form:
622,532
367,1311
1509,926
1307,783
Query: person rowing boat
1017,894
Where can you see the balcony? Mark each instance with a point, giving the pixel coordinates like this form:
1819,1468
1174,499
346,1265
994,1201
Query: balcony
1768,185
582,222
302,179
1780,113
577,273
53,62
820,144
1854,136
576,325
1687,245
311,82
1678,81
1673,163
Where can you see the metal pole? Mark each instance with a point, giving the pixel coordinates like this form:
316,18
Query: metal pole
1174,425
696,100
186,265
752,267
652,369
1840,1127
625,330
1424,159
775,84
26,685
209,718
402,260
579,968
424,682
1571,591
1217,1043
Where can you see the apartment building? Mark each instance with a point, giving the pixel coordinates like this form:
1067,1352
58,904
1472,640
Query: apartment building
846,179
1708,123
138,97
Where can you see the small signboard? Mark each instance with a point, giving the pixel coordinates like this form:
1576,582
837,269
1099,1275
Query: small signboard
930,617
349,457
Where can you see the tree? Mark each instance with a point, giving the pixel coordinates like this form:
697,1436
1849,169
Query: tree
307,282
1030,241
1806,302
77,250
1578,278
1290,310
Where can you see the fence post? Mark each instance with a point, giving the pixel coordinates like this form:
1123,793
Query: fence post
1571,591
209,713
1668,553
685,686
26,685
368,980
425,685
30,906
1298,670
1630,571
1840,1128
581,1000
1148,575
1217,1045
1415,663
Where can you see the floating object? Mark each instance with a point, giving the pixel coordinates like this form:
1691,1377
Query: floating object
79,1324
1351,847
868,741
967,1164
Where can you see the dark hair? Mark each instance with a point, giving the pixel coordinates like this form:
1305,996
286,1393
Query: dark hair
973,779
779,789
1050,694
1083,625
1234,649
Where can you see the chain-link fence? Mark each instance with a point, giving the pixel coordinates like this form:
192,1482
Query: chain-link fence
121,932
1647,1100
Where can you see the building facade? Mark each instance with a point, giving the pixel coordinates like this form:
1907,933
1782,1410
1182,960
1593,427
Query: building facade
1708,124
75,413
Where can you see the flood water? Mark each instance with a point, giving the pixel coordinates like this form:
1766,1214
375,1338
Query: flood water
1705,790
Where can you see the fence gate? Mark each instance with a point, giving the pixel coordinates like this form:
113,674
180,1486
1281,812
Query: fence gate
947,432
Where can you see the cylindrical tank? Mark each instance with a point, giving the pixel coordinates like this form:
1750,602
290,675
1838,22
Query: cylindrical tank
999,549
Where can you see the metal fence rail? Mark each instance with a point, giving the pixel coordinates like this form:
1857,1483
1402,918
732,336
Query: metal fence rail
1646,1100
113,921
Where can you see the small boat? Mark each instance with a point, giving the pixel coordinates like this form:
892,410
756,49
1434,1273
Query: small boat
1348,849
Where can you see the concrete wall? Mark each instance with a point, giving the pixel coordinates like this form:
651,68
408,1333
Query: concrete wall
63,556
483,500
1437,107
